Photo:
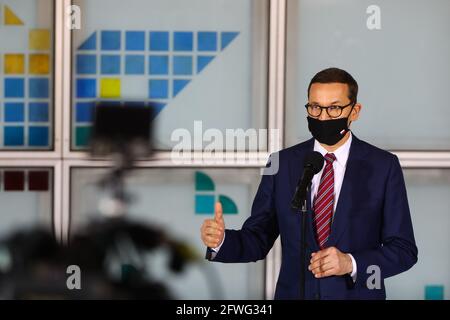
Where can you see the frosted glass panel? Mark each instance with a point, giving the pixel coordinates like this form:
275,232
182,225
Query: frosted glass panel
178,200
403,69
428,194
26,199
197,60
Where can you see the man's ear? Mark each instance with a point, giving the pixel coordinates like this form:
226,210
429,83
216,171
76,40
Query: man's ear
354,115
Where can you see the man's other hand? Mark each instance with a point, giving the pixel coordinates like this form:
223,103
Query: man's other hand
330,262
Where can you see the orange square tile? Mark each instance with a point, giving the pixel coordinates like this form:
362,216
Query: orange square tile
39,64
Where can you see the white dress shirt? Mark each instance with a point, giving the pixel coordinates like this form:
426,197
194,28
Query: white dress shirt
339,166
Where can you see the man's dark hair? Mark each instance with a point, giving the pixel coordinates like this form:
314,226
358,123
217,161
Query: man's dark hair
332,75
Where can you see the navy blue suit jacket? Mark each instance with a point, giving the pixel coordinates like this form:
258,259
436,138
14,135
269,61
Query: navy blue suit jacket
372,222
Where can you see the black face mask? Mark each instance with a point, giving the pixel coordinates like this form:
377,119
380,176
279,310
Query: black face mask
328,132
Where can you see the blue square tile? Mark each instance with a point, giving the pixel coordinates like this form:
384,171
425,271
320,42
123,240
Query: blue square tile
207,41
158,89
14,112
134,64
90,43
86,88
156,107
110,40
183,41
13,136
159,41
38,136
159,65
227,38
84,111
38,112
203,61
135,40
182,65
178,85
204,204
86,64
14,88
110,64
38,88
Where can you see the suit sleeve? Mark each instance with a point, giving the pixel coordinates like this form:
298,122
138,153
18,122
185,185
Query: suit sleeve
398,251
259,232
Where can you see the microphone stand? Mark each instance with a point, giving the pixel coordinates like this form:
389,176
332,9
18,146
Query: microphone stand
303,212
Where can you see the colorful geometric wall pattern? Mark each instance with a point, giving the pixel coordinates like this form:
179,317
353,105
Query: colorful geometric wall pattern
25,103
152,67
205,197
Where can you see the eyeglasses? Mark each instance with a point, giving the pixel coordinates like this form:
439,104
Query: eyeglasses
315,110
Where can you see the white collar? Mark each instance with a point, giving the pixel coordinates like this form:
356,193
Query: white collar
340,153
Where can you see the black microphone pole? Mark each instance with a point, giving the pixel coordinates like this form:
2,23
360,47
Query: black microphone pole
304,211
299,202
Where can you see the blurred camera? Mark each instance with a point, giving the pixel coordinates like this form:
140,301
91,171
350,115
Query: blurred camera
122,129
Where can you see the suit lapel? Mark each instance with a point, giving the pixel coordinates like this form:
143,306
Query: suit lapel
296,164
341,217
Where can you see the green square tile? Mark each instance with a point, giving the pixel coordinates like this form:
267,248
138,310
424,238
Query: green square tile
434,292
82,136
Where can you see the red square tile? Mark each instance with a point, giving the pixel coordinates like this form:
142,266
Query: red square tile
14,180
38,180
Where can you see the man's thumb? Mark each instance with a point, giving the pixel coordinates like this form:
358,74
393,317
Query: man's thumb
218,216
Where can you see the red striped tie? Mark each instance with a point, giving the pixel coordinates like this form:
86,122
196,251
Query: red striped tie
324,202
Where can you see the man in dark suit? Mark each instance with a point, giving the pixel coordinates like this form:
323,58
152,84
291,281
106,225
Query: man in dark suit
360,228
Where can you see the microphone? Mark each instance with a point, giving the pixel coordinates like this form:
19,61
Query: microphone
313,164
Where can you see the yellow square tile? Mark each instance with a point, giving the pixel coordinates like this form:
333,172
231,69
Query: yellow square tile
14,64
39,39
110,88
39,64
